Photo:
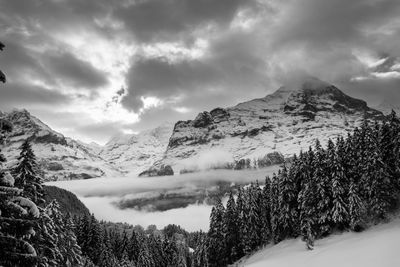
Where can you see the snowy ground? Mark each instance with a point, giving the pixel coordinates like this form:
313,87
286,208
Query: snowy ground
102,196
377,247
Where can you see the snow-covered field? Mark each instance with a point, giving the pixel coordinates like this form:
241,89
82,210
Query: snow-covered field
103,196
376,247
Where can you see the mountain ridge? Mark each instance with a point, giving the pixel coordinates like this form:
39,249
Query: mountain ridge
288,120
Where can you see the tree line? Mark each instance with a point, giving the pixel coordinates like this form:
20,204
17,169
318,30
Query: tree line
351,183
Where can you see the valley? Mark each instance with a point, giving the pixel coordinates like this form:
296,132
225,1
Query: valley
185,199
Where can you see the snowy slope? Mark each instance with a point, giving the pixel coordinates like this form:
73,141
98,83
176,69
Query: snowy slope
61,158
137,152
286,121
376,247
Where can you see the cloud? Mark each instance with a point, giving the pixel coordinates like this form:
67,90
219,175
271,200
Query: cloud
169,20
100,194
195,54
74,71
22,95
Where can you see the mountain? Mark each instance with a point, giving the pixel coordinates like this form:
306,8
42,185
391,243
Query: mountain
288,120
137,152
387,105
60,157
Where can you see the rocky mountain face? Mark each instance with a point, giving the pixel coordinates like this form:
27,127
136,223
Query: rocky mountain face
137,152
61,158
286,121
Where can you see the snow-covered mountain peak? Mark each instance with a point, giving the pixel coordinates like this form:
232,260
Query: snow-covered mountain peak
286,121
136,152
61,158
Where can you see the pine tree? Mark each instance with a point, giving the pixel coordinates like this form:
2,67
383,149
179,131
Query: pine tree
232,230
46,240
322,194
287,206
26,173
18,217
240,210
69,252
307,201
266,212
200,257
144,258
94,240
274,210
378,187
133,247
339,211
356,207
216,236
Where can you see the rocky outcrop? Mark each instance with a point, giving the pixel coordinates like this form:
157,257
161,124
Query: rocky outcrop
164,170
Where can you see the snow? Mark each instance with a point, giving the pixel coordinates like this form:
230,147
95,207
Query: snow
7,179
31,207
377,246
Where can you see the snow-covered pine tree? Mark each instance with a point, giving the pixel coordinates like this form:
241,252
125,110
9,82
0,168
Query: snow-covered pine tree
200,258
95,239
216,236
389,145
170,252
72,252
133,247
307,200
339,211
356,207
378,188
265,211
232,230
240,210
82,231
287,205
156,249
274,208
46,240
252,218
27,176
69,254
18,217
145,258
322,195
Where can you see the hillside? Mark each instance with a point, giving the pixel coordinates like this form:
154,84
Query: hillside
377,246
69,203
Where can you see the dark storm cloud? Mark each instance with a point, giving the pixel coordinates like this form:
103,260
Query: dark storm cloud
154,20
327,22
27,95
74,71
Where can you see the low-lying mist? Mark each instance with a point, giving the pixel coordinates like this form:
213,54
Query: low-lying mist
180,199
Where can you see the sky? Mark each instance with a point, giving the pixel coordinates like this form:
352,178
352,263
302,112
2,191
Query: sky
92,69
